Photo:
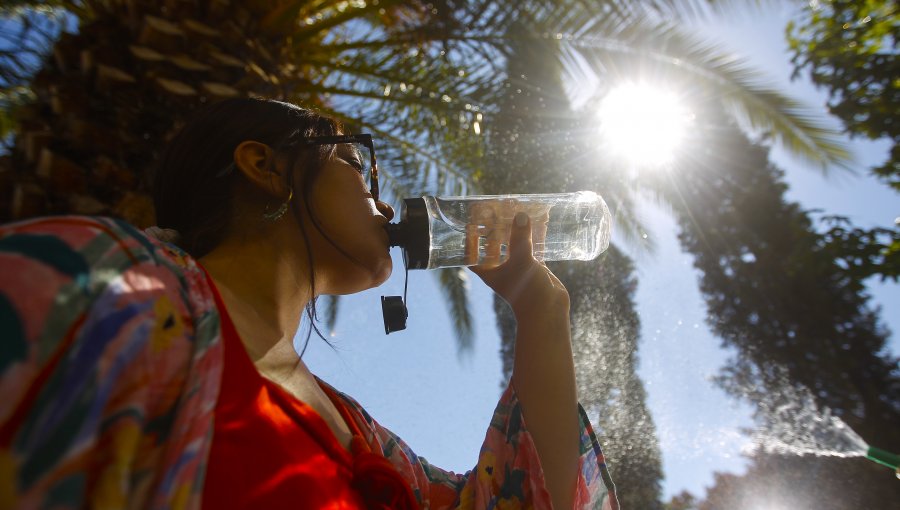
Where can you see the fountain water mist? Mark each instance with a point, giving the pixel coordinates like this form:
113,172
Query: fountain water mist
793,423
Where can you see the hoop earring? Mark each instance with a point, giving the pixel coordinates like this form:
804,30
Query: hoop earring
278,213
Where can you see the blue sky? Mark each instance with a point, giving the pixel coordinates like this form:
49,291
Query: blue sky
414,383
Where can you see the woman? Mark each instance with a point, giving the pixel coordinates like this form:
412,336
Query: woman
144,374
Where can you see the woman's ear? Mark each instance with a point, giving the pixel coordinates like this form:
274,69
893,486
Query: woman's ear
257,162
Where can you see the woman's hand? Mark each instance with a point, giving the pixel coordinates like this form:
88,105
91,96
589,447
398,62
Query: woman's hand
526,284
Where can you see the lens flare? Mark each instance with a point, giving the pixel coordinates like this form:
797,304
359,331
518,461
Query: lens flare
642,124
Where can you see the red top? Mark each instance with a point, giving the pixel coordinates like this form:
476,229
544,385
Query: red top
270,450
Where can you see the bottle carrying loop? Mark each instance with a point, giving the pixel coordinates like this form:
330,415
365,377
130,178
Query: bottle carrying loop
393,308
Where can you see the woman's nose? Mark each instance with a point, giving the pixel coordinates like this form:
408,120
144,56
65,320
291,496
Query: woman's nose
385,209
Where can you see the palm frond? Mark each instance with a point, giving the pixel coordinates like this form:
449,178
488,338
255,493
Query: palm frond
681,57
331,311
454,284
729,8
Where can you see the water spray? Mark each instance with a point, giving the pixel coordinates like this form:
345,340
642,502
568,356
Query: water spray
794,423
885,458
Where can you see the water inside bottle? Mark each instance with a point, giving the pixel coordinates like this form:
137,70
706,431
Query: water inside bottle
475,230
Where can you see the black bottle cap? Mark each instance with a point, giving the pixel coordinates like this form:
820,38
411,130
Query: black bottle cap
394,312
412,234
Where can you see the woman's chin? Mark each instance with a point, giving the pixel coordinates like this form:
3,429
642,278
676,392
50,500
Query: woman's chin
382,271
364,278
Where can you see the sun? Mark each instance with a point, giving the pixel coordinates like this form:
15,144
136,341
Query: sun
642,124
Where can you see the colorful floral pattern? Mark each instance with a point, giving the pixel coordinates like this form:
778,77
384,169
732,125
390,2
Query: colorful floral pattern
110,366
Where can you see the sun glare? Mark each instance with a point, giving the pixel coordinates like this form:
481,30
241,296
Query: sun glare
642,124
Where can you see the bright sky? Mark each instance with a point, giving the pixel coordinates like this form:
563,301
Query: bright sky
414,383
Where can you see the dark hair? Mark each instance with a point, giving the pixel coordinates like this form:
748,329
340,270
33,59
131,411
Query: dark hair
190,193
192,189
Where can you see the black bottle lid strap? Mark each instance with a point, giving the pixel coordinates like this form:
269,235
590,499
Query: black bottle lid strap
393,308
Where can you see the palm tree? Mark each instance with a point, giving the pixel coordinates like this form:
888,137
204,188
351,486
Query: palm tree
537,146
424,76
94,113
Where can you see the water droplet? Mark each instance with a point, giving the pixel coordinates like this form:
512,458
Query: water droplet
476,126
445,98
387,90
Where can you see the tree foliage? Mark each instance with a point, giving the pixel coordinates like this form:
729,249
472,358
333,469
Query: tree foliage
794,315
684,500
777,294
862,253
850,50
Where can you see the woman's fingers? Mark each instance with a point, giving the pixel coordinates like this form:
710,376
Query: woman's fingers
539,235
472,236
517,238
493,250
520,237
526,284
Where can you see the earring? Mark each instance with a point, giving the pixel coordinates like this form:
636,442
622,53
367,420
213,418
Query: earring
278,213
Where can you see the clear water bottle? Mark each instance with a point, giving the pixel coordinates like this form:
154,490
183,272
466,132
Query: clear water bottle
438,232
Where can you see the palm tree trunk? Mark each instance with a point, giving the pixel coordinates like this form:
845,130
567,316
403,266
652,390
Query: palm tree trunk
528,157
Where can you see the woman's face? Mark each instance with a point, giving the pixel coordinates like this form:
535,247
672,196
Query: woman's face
346,212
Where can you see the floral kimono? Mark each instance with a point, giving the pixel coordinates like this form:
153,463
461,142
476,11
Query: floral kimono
110,368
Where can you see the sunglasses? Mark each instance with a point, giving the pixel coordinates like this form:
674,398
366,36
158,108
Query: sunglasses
368,168
364,140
